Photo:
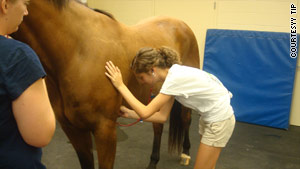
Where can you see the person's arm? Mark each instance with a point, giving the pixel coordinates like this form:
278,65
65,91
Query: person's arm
34,115
142,110
158,117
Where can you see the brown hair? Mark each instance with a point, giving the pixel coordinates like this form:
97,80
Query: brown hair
147,58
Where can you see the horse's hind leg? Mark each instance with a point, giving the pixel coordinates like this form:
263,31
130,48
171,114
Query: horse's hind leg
158,129
185,156
82,143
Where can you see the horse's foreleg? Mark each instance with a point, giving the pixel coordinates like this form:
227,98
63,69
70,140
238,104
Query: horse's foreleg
105,139
158,129
185,156
82,143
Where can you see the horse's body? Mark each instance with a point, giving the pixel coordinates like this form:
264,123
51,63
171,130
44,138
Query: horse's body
73,43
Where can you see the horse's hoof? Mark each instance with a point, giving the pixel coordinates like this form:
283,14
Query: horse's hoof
185,159
151,166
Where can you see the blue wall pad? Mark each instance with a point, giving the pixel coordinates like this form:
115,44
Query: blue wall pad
257,68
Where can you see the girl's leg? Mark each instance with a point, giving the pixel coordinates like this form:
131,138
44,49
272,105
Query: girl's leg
207,156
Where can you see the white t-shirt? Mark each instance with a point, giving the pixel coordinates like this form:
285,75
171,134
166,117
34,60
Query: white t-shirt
200,91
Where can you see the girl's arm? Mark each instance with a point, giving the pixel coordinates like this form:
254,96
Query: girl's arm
143,111
158,117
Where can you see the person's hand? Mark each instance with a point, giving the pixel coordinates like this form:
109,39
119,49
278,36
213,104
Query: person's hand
114,74
123,112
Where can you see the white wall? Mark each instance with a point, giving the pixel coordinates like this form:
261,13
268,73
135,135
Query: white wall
200,15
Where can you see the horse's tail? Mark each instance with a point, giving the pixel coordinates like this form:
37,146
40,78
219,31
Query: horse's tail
176,129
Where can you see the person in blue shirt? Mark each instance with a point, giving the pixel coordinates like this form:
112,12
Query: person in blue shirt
27,121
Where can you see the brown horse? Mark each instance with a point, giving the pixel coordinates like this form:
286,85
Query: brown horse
73,43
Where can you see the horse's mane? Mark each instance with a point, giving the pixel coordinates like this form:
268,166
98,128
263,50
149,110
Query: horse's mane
105,13
62,3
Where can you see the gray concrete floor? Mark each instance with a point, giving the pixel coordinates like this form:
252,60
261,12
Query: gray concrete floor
251,147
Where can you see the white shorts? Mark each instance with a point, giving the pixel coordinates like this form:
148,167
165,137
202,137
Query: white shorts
216,134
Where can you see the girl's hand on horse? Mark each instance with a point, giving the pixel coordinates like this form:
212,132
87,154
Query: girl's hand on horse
123,112
114,74
128,113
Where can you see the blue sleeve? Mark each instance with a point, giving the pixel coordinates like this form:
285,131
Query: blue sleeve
23,68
